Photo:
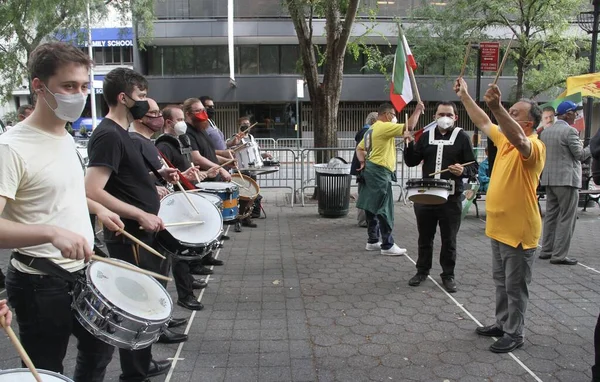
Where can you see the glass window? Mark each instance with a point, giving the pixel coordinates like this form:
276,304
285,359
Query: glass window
127,54
269,59
154,61
98,56
116,55
206,60
108,56
168,62
248,59
183,57
351,65
289,59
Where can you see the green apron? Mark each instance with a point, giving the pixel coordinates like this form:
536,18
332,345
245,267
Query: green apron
376,195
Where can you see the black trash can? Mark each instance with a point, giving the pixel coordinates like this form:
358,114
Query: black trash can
333,184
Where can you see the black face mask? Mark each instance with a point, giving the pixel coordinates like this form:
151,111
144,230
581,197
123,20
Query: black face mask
139,108
211,112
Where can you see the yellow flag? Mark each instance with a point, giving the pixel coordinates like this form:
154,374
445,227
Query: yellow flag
588,85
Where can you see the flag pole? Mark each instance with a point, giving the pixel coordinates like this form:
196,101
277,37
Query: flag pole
411,74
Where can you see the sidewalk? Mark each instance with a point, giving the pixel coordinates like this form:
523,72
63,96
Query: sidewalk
299,299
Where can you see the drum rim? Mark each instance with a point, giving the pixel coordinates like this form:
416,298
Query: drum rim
20,370
230,186
120,310
251,181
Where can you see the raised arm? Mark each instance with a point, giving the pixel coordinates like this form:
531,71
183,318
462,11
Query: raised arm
477,115
510,128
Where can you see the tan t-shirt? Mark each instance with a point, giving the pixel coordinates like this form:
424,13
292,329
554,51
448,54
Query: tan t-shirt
42,179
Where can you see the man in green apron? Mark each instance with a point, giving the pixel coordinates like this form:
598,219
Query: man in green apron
377,156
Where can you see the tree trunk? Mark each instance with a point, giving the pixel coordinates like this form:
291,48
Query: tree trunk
520,75
325,110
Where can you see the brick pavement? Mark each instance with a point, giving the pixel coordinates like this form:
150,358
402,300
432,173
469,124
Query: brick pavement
299,299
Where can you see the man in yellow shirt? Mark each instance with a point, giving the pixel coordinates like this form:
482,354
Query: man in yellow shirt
513,220
378,147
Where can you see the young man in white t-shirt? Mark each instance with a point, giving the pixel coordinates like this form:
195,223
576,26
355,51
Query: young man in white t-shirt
45,215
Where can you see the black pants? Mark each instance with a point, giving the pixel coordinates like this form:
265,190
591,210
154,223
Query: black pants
135,363
182,278
596,367
447,215
43,309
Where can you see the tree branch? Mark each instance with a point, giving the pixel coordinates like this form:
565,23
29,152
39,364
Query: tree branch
348,21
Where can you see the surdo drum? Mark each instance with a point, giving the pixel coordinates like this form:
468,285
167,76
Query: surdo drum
121,307
249,191
200,238
229,194
429,190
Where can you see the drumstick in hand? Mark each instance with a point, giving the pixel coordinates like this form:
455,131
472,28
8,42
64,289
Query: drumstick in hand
129,267
141,243
442,171
221,166
22,353
167,225
182,189
504,60
248,129
197,176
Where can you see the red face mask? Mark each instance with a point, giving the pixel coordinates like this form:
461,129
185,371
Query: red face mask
201,115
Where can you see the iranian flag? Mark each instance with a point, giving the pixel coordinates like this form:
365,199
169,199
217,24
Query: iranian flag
401,92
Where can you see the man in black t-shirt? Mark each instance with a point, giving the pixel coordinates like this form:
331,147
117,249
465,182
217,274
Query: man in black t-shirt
203,152
117,177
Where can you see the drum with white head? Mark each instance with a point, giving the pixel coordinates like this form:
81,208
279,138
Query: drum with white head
121,307
24,375
248,154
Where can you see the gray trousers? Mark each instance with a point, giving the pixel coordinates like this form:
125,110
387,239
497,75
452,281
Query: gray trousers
559,221
511,269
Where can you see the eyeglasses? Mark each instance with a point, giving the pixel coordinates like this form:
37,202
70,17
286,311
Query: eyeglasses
155,114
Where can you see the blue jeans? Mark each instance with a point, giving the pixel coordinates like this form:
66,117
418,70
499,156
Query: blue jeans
378,226
43,309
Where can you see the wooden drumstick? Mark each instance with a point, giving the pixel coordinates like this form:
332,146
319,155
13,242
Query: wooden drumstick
197,176
462,71
503,60
180,224
20,349
248,129
141,243
129,267
221,166
181,188
448,169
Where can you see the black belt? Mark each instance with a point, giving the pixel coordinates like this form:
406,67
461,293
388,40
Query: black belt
44,265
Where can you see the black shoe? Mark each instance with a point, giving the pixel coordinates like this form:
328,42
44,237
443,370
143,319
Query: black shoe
201,270
565,261
158,367
176,322
449,284
224,237
489,331
417,279
209,260
170,337
506,344
2,280
190,303
544,257
199,284
255,214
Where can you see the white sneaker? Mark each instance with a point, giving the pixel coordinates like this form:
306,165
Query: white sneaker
373,246
394,251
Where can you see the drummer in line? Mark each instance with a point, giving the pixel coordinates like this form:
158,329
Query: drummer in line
45,216
444,146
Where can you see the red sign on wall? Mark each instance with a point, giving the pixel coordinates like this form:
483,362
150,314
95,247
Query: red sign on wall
490,53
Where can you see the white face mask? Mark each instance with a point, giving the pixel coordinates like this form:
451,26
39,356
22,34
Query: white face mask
180,128
445,123
394,120
68,106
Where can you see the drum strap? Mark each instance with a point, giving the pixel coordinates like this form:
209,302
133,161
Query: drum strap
44,265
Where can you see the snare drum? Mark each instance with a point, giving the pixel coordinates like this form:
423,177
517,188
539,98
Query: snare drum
248,156
249,191
429,190
123,308
24,375
229,194
214,199
200,238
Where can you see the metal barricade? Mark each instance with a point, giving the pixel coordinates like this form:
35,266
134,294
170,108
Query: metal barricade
286,176
266,143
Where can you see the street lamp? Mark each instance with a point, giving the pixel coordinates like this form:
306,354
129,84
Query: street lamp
588,21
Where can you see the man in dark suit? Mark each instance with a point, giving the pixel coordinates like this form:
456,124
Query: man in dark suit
562,179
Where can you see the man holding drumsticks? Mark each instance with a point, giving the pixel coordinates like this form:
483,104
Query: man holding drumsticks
45,215
118,178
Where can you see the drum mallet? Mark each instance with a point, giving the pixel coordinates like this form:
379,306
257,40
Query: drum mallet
20,349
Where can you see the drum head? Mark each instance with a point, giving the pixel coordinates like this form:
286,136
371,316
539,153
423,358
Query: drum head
216,186
248,187
214,199
24,375
175,208
137,294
